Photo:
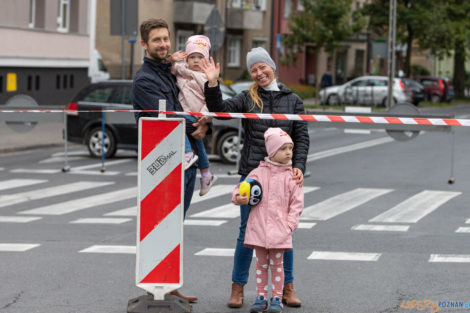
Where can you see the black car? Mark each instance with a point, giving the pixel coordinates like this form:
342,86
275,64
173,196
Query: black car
418,93
84,126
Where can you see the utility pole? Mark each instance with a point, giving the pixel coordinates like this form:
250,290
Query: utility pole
392,25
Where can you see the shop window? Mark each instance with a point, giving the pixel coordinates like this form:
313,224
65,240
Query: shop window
65,82
57,81
1,84
71,80
38,82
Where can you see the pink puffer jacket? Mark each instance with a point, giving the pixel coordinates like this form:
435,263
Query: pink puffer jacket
273,220
191,85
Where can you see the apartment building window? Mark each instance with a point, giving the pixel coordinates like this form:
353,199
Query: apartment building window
259,42
300,6
63,16
287,8
259,5
32,13
181,37
237,3
234,53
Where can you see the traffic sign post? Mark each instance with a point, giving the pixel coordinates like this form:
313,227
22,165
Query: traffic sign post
159,259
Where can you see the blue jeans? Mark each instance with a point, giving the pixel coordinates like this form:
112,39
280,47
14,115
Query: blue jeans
243,255
189,182
203,160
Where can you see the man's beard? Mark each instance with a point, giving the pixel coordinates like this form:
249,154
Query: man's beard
154,55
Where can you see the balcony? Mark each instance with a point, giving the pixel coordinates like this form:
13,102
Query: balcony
192,12
239,18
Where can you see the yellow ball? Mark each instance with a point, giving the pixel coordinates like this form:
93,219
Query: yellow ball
244,188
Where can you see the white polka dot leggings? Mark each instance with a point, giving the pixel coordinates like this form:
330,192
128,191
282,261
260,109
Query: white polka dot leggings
269,258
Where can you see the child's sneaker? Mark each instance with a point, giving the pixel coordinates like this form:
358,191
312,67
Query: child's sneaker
206,184
260,305
275,305
189,159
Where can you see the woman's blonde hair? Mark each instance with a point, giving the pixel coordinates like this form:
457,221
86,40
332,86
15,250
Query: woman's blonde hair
253,91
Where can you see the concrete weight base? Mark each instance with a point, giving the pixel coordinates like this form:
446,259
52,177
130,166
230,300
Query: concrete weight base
146,304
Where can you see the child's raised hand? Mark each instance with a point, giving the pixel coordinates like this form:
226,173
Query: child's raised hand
177,56
211,70
243,199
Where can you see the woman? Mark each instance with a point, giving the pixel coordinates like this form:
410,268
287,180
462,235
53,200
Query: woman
265,95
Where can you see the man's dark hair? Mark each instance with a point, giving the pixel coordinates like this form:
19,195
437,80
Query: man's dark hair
152,23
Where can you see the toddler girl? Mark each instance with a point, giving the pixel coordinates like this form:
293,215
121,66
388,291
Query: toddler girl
190,80
272,221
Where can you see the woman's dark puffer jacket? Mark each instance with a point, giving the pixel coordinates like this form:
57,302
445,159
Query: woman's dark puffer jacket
254,149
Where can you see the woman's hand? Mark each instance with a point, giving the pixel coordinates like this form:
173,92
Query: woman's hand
211,70
242,199
298,175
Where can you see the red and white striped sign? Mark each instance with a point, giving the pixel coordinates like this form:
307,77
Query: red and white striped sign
159,266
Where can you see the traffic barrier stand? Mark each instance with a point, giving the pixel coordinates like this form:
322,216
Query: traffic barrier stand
159,258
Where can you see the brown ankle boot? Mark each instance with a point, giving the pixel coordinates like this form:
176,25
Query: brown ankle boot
289,298
236,298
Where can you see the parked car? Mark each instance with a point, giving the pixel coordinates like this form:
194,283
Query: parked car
365,90
438,89
418,92
120,128
239,86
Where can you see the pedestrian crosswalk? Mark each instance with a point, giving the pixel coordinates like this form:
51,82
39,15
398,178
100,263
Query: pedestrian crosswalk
83,196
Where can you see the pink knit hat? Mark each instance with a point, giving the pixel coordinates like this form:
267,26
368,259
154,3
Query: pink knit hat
275,138
198,43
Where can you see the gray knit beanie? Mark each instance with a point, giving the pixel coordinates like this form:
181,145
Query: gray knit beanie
259,55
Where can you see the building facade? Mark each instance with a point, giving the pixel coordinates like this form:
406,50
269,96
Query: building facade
45,49
243,25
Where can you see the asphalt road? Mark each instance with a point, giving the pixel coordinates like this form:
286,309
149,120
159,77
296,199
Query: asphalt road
381,226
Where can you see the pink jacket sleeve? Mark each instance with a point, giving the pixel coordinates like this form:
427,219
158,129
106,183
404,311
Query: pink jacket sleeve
296,206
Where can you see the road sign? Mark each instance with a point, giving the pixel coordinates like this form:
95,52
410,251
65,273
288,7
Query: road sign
159,266
215,29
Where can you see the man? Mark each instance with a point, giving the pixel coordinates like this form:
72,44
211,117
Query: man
153,82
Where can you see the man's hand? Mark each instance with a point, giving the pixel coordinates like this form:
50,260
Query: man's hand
201,130
242,199
212,71
298,175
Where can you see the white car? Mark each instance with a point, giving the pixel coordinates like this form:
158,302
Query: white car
365,90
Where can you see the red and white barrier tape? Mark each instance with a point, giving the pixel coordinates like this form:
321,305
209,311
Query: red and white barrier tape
293,117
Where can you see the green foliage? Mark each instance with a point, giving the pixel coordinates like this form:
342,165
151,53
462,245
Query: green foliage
303,91
417,69
323,23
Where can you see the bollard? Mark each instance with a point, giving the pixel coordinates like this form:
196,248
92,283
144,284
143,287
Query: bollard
159,257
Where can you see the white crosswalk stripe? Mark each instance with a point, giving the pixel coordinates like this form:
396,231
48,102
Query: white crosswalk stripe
84,203
18,219
17,247
231,210
132,211
415,208
342,203
12,199
399,228
15,183
191,222
116,249
216,252
35,171
101,220
449,258
344,256
216,191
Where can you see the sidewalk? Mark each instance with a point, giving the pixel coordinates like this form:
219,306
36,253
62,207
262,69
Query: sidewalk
45,134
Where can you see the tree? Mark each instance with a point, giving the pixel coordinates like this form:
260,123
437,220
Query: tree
439,25
412,21
322,23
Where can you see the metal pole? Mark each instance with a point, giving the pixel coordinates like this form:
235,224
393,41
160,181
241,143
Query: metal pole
132,61
391,50
235,172
103,169
452,148
66,167
123,34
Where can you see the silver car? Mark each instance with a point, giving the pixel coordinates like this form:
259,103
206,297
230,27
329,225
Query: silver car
365,90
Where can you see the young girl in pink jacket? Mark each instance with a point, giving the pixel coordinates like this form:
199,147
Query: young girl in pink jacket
190,80
274,218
